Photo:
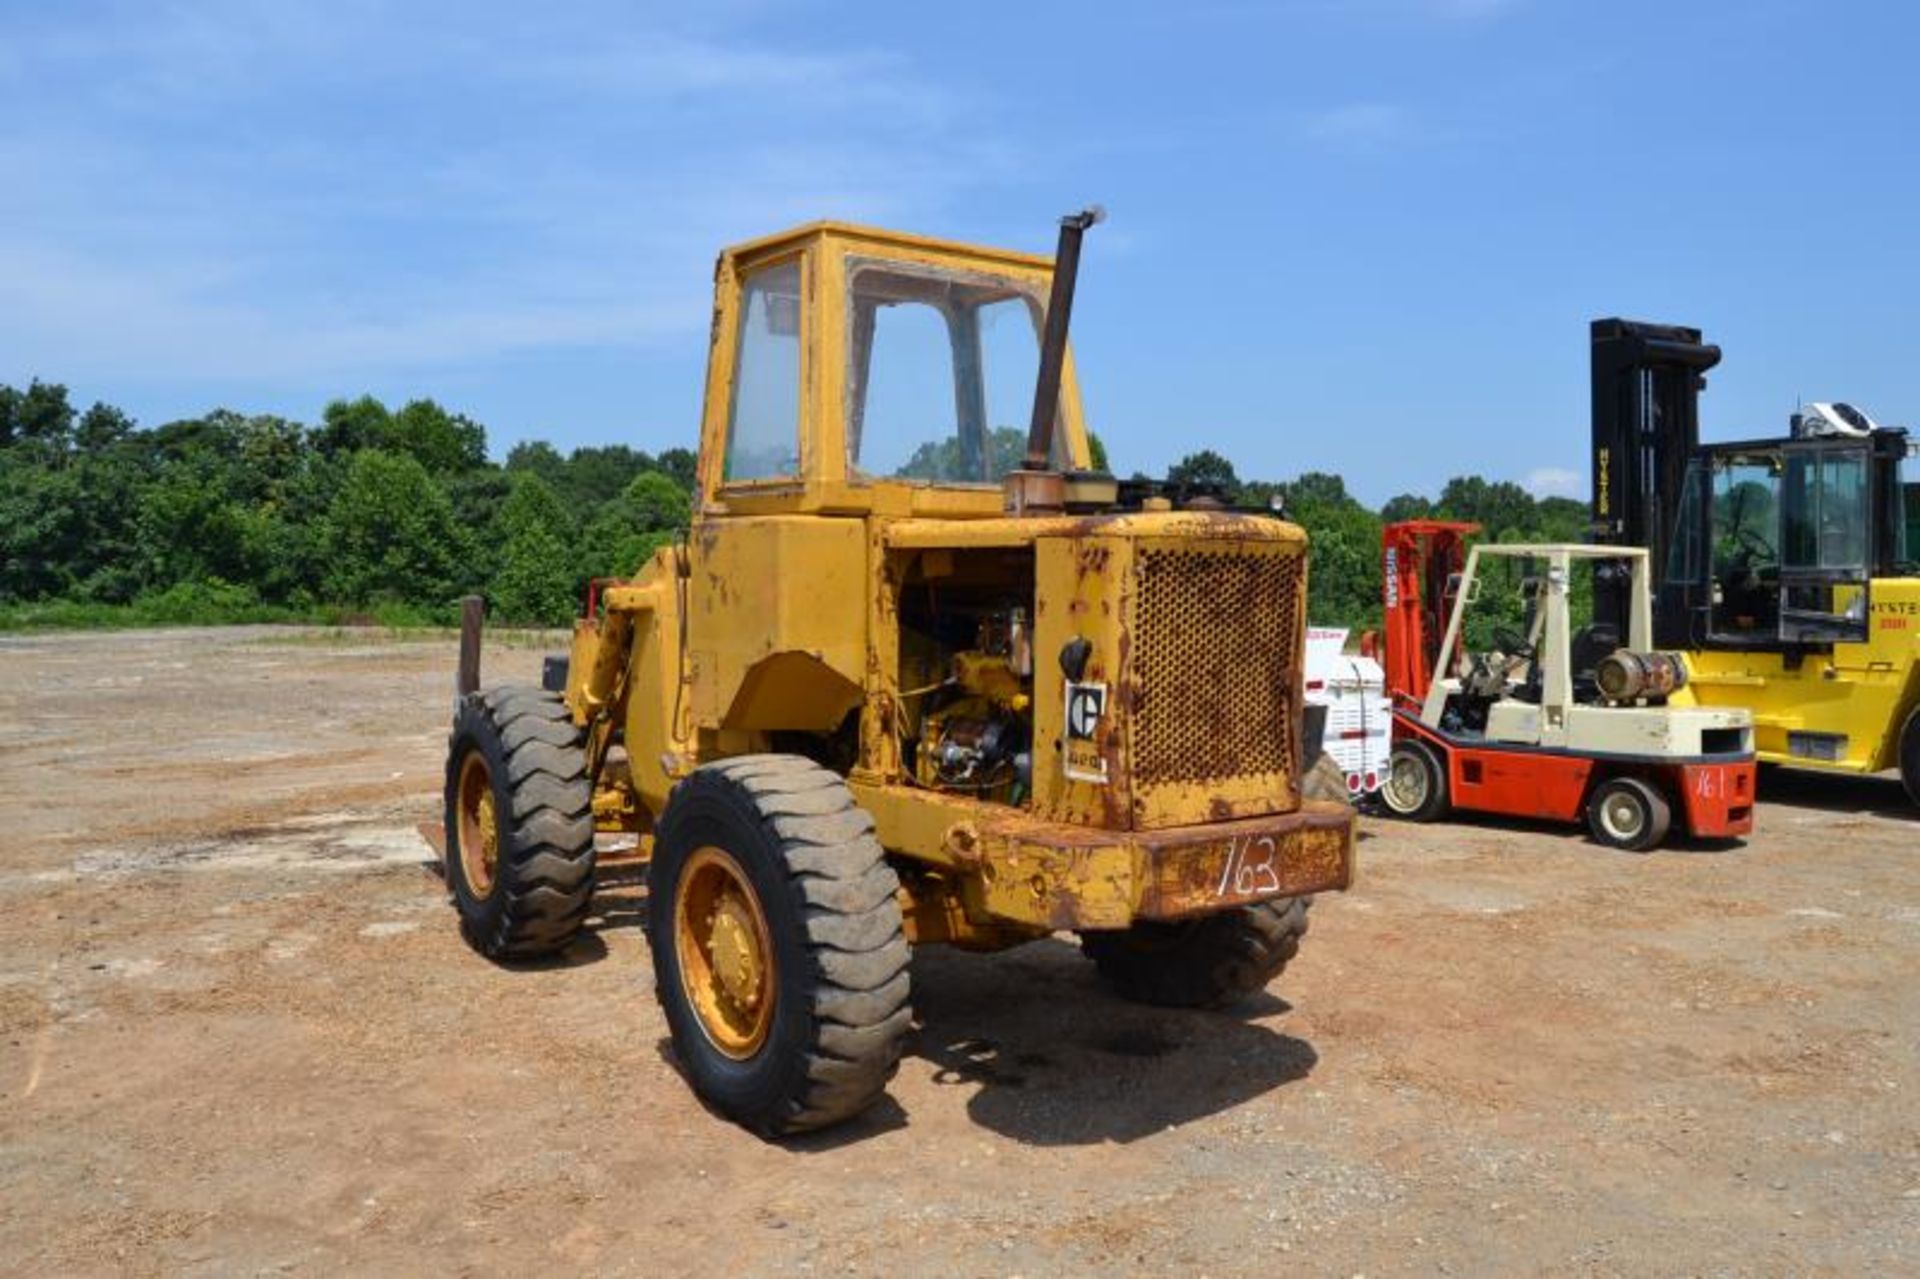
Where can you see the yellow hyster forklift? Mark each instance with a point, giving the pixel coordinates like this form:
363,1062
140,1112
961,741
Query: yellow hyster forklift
915,676
1785,567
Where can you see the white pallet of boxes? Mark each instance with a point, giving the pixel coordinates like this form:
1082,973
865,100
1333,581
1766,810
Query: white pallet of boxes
1359,720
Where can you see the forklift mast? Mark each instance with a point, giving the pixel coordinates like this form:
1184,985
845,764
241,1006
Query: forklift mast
1647,380
1422,561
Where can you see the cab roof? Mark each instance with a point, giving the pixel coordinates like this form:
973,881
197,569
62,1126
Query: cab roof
807,233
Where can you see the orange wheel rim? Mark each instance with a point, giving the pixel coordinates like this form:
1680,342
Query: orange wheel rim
479,825
721,939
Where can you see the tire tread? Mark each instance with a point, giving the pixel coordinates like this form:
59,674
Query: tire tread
847,902
546,836
1203,963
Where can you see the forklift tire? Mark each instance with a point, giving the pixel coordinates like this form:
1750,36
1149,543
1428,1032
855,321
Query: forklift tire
1910,756
1200,963
1629,813
1416,784
519,823
779,954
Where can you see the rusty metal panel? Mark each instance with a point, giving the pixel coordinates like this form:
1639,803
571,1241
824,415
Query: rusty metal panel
1080,581
1214,688
1196,626
1061,875
1191,872
1214,665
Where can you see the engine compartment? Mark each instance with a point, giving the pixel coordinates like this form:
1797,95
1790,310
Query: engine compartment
966,672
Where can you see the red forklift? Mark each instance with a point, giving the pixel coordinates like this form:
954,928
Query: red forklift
1537,722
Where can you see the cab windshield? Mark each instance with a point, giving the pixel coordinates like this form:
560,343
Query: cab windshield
941,373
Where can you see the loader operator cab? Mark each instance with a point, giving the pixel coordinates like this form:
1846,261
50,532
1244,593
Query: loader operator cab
922,338
938,363
873,372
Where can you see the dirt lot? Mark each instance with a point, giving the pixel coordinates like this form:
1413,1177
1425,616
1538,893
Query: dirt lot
239,1033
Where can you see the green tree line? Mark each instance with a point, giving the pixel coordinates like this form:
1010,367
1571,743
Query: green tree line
386,514
1343,576
395,514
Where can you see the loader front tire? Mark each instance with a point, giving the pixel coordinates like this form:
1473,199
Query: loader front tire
519,822
1201,963
778,950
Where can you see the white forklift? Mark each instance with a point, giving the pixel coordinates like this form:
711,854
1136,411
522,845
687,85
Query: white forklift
1521,729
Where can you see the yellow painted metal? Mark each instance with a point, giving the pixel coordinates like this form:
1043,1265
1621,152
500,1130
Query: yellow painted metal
1205,680
1862,693
725,953
990,677
626,670
942,906
822,483
479,825
616,804
770,633
1014,868
780,619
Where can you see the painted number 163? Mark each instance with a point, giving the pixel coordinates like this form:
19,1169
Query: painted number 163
1249,870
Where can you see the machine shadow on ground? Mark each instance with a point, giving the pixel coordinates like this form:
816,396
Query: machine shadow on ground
1057,1059
1054,1058
1570,838
1879,796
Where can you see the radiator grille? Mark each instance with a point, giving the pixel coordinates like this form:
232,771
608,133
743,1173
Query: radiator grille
1218,634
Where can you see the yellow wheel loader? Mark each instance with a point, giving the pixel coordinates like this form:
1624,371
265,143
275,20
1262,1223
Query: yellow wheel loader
915,676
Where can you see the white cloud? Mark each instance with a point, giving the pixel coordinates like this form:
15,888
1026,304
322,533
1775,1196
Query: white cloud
1359,124
243,191
1553,481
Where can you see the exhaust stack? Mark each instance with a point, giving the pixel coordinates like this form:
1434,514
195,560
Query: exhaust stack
1037,486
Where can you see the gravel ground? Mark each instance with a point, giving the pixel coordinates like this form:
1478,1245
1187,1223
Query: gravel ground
239,1033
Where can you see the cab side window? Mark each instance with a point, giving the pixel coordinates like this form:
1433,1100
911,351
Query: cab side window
763,429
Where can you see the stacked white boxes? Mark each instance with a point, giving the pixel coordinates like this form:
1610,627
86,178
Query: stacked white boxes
1354,691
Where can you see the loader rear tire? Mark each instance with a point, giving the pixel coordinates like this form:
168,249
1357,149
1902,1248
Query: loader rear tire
519,822
1326,780
778,949
1201,963
1910,756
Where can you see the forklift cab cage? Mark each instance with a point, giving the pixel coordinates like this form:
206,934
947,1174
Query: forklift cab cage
1778,542
1762,544
1551,638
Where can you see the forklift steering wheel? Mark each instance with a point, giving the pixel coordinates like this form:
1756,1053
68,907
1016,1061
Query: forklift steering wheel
1755,546
1512,643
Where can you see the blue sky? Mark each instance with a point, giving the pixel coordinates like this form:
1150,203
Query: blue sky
1363,237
